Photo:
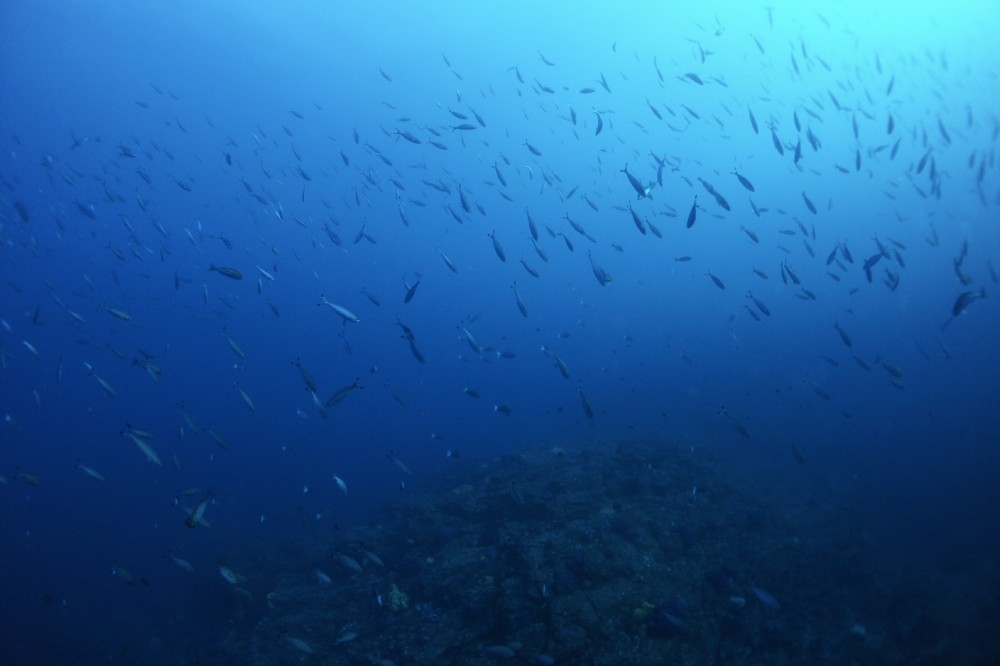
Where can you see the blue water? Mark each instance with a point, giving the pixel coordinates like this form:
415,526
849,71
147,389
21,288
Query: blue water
263,125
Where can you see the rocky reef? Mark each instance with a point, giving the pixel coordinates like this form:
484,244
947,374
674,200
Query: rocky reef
604,553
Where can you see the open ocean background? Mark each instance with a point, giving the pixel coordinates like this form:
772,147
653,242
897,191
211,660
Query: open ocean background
144,142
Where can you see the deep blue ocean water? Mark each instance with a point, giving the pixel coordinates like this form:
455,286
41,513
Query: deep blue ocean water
316,149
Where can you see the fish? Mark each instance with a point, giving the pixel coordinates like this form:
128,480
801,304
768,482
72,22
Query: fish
539,251
765,598
637,220
466,206
417,354
531,225
350,563
743,181
522,308
371,297
833,255
342,394
409,137
602,276
693,213
893,369
182,563
91,472
760,306
809,204
139,432
299,644
529,268
217,438
777,142
341,485
399,463
343,312
843,335
246,398
499,174
472,341
659,168
306,376
448,262
103,383
410,291
640,190
230,273
501,255
412,341
233,345
557,361
123,574
708,186
229,575
145,447
820,391
153,370
373,557
656,112
22,211
740,428
577,227
346,637
28,477
588,411
965,299
690,112
116,313
31,349
717,281
198,512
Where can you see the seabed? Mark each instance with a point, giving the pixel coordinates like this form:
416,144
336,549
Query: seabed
605,553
